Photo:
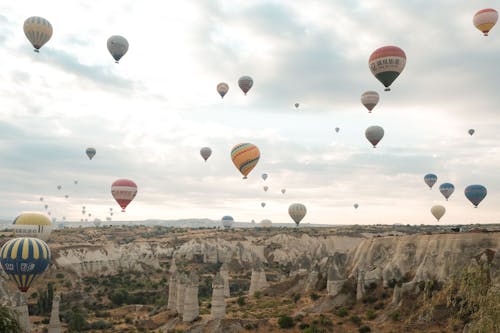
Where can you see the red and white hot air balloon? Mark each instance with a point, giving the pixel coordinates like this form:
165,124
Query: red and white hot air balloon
485,19
124,191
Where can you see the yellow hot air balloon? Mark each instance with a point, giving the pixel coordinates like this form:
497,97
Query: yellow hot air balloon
38,31
438,211
33,224
245,157
485,19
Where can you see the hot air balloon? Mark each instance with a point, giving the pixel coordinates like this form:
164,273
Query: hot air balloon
90,214
337,129
265,188
263,204
124,191
374,134
297,211
471,131
386,63
438,211
446,190
370,99
222,89
83,212
38,31
430,179
90,152
46,206
24,259
297,105
264,176
64,218
475,194
205,152
265,223
32,224
97,222
227,221
59,187
485,19
117,46
355,206
75,182
66,196
245,157
41,198
283,190
245,83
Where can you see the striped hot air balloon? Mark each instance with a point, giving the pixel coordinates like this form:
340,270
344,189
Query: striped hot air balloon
222,89
245,83
245,157
227,221
297,211
38,31
485,19
430,179
23,259
386,63
124,191
370,99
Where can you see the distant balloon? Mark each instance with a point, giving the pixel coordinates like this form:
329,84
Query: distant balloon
355,206
222,89
446,190
124,191
386,63
46,206
117,46
41,198
110,209
438,211
38,31
430,179
374,134
370,99
32,224
66,196
264,176
245,157
75,182
24,259
59,187
297,211
471,131
90,214
227,221
263,204
265,223
296,105
283,190
245,83
485,19
475,194
337,129
83,207
265,188
90,152
205,152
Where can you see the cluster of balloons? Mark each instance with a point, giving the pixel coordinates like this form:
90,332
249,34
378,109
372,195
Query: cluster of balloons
245,83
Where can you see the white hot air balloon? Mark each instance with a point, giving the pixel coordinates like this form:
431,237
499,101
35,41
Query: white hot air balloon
438,211
374,134
370,99
297,211
117,46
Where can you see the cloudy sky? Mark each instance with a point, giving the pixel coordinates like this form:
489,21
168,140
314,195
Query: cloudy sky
149,115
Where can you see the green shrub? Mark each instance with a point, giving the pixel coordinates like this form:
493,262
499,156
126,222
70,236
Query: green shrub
365,329
355,319
241,301
395,316
342,312
370,315
285,322
60,275
296,297
314,296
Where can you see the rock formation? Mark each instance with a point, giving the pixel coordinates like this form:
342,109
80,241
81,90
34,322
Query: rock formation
181,293
172,292
258,280
335,281
218,300
225,276
55,323
173,267
21,309
191,308
360,287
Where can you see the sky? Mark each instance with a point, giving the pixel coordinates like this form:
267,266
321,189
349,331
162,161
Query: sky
149,116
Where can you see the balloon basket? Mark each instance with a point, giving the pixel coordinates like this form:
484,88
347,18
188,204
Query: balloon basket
37,51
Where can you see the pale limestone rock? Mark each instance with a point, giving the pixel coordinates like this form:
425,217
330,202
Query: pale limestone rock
173,267
225,276
396,296
258,279
55,323
21,309
218,300
360,287
191,307
182,281
335,281
172,292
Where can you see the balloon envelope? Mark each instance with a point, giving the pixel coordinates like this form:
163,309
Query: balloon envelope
337,129
485,19
23,259
265,188
245,83
205,152
264,176
222,89
370,99
117,46
297,211
283,190
471,131
265,223
386,63
123,191
475,194
245,157
438,211
227,221
430,179
296,105
90,152
263,204
446,190
356,206
33,224
374,134
38,31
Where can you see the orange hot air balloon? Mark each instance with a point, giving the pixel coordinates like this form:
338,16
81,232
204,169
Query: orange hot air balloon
124,191
386,63
485,19
245,157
